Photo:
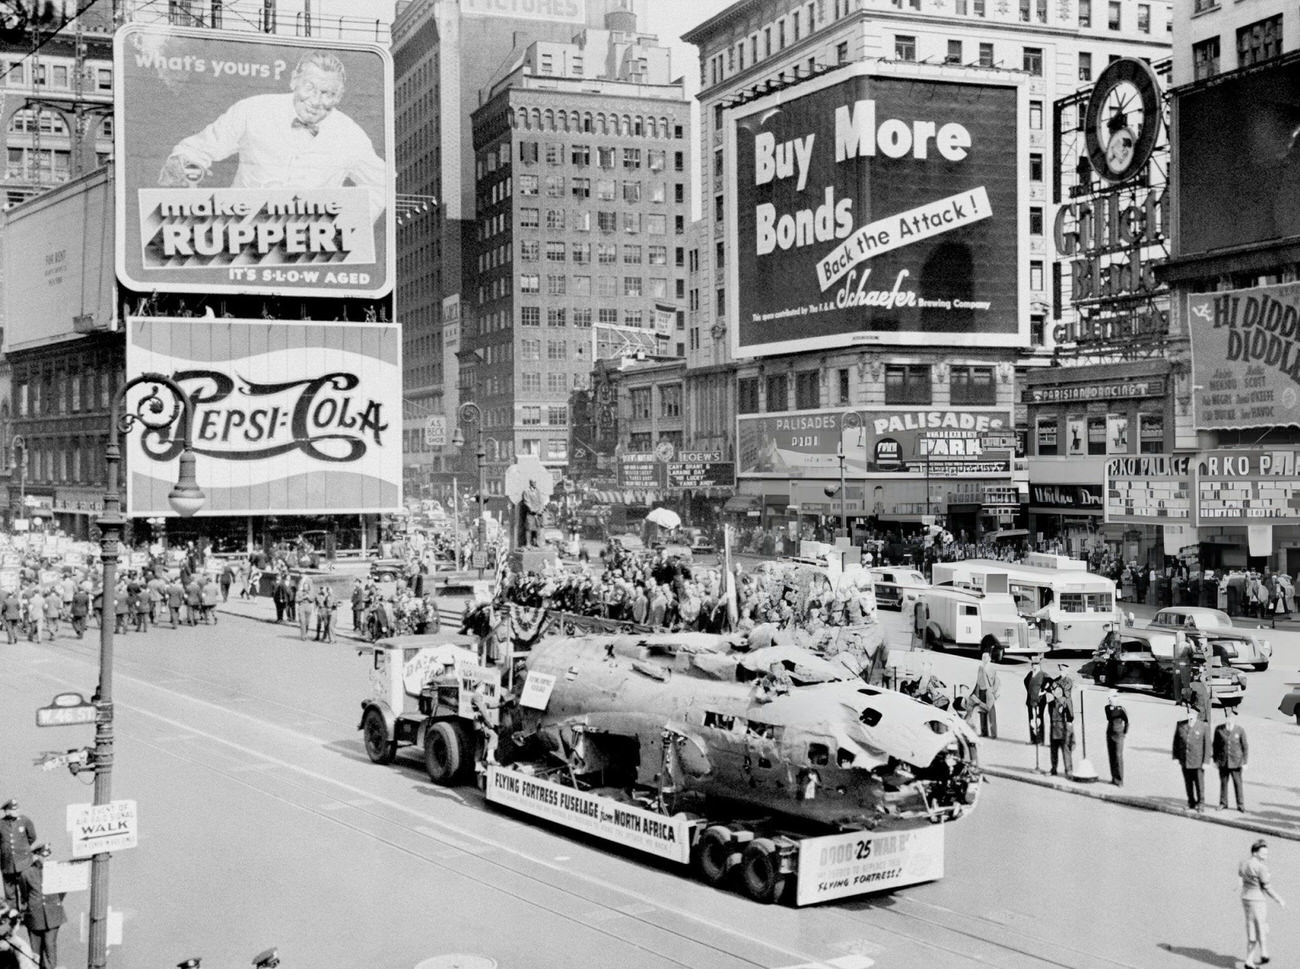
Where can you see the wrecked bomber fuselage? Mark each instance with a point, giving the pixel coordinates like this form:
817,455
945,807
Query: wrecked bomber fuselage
684,714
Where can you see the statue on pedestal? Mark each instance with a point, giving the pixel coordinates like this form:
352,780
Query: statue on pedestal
531,505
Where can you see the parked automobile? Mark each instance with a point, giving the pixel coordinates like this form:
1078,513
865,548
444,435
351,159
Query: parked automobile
1235,645
1290,705
700,544
897,588
1147,660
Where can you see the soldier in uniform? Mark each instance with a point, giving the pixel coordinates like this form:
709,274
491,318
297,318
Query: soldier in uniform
17,837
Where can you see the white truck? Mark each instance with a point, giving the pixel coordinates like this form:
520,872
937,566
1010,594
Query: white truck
952,617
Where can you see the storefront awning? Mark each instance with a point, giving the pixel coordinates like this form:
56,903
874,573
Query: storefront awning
742,504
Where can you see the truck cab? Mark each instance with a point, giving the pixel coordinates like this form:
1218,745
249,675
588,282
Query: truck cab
969,619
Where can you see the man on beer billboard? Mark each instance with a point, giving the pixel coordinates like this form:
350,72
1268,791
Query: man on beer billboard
284,188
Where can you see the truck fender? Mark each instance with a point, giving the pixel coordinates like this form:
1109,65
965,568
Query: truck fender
390,722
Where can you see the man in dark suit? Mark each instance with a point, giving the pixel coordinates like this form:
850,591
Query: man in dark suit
1230,752
1060,716
1116,731
1033,701
1192,751
44,912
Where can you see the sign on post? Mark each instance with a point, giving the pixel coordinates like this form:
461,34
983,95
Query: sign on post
102,827
64,710
435,430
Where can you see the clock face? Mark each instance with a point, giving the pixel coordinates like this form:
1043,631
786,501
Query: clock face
1123,119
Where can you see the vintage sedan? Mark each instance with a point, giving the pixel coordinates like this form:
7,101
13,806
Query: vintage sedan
1235,645
1147,660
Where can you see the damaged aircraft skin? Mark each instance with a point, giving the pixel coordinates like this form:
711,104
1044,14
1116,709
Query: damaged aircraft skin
698,715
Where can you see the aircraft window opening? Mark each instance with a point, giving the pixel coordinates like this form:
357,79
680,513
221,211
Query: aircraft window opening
719,720
766,730
819,755
937,726
764,763
870,691
870,716
844,758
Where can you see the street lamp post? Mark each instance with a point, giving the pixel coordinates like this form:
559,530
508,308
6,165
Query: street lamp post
852,421
471,413
844,514
185,498
21,442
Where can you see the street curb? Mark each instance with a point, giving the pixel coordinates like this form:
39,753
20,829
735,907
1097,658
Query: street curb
1100,793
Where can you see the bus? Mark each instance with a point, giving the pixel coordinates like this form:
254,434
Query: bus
1074,608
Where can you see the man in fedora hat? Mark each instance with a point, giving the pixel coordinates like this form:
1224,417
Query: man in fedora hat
17,837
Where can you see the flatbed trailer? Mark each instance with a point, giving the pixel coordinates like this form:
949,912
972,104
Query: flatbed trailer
422,694
771,864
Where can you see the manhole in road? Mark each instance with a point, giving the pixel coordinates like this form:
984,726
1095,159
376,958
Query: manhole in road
458,960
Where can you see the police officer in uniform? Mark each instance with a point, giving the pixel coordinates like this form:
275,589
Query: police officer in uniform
17,837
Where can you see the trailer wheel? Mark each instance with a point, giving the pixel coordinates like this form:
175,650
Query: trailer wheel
934,640
712,853
374,733
444,753
760,871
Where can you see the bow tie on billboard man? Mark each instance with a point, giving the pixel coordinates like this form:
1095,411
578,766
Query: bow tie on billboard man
298,140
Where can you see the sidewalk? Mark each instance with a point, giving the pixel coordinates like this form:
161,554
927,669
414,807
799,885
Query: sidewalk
1152,780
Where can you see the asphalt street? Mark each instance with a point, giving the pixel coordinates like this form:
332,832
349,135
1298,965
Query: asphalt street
262,823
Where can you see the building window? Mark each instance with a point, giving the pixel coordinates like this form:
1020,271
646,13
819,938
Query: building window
1205,58
606,253
528,218
555,252
632,286
986,55
973,385
1036,115
905,47
778,392
1034,61
581,187
1144,17
670,400
530,316
605,157
556,285
527,184
1113,16
632,192
529,283
1097,435
954,52
639,398
581,252
554,186
1085,66
1260,41
1036,275
530,415
556,316
807,390
1046,443
1085,13
1151,433
1035,220
554,154
747,395
1200,6
529,250
907,384
632,255
842,52
530,349
1035,167
555,218
631,157
557,350
631,223
580,155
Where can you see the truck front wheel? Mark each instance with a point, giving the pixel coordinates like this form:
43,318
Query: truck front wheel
712,854
374,733
997,652
760,871
444,753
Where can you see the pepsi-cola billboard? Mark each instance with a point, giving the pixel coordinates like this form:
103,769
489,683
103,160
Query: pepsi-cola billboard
875,207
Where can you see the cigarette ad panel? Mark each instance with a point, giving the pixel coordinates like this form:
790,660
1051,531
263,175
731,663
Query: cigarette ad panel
872,207
250,163
299,418
936,442
1245,357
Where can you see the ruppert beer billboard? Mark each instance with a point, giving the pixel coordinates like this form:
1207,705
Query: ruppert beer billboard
289,419
1246,357
873,207
249,163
